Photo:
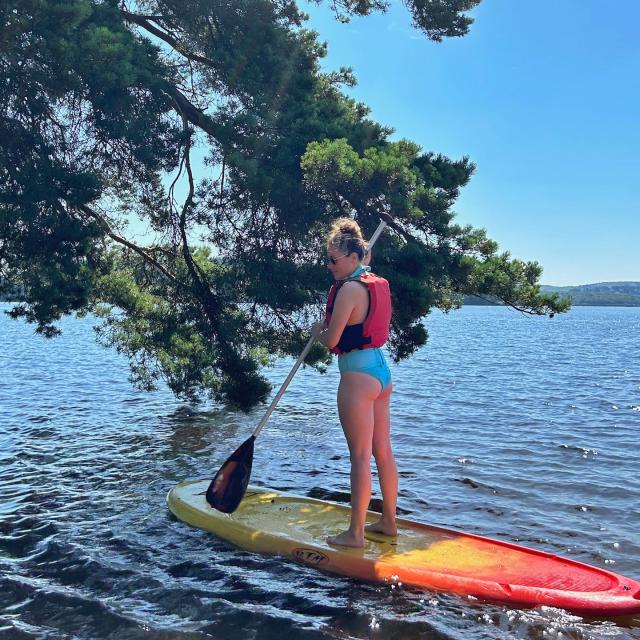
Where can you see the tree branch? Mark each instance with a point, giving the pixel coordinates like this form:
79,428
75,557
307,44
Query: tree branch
143,22
208,300
127,243
195,116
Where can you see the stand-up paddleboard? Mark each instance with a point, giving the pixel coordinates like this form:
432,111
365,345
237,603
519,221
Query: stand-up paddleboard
421,555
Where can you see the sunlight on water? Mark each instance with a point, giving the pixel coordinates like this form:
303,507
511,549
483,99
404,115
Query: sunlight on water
519,428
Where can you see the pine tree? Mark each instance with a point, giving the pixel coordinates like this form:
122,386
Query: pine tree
104,104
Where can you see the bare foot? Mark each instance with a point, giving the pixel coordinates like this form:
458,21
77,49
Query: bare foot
383,527
347,539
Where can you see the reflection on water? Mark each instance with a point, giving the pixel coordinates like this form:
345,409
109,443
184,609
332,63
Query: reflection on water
513,427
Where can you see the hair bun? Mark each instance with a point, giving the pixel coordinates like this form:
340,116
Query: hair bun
346,226
346,234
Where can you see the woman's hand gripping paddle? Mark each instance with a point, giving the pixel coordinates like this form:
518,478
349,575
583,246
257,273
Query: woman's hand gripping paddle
230,483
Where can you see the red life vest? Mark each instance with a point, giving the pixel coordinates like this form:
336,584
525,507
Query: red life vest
374,331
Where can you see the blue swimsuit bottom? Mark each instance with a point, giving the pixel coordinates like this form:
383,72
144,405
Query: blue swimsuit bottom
369,361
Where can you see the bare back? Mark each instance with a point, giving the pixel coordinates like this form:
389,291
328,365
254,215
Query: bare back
359,295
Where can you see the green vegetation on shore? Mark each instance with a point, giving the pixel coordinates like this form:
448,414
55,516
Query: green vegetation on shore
600,294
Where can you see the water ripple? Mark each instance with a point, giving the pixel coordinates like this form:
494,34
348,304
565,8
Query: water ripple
518,428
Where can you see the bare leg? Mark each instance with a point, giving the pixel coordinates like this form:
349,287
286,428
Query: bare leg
356,397
386,464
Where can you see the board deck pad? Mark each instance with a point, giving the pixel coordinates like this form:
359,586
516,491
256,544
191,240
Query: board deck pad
420,555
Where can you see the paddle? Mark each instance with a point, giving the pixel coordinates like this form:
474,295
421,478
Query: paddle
230,483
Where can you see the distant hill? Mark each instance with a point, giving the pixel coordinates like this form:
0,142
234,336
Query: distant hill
600,294
603,294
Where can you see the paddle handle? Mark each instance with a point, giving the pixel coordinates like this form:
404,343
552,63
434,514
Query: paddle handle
303,355
376,233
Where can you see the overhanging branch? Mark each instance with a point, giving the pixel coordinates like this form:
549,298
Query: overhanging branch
197,117
207,298
127,243
143,22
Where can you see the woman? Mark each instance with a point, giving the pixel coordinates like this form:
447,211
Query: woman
355,327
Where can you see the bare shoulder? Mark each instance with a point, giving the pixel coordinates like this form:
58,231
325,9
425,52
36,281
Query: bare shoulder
353,289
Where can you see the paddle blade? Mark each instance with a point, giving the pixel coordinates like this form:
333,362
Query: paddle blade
230,483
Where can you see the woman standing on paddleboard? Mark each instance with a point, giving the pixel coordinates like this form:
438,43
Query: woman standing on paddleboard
355,327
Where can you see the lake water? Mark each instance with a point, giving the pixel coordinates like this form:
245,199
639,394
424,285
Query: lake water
520,428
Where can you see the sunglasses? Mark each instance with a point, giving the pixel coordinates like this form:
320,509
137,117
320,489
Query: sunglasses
333,260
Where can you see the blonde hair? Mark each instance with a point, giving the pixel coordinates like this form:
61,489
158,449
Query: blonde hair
345,234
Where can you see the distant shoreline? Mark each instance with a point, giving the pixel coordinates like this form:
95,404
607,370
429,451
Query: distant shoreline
600,294
471,301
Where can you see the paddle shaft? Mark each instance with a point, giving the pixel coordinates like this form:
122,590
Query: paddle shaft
303,355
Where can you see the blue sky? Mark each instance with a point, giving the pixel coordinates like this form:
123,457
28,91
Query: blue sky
543,96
